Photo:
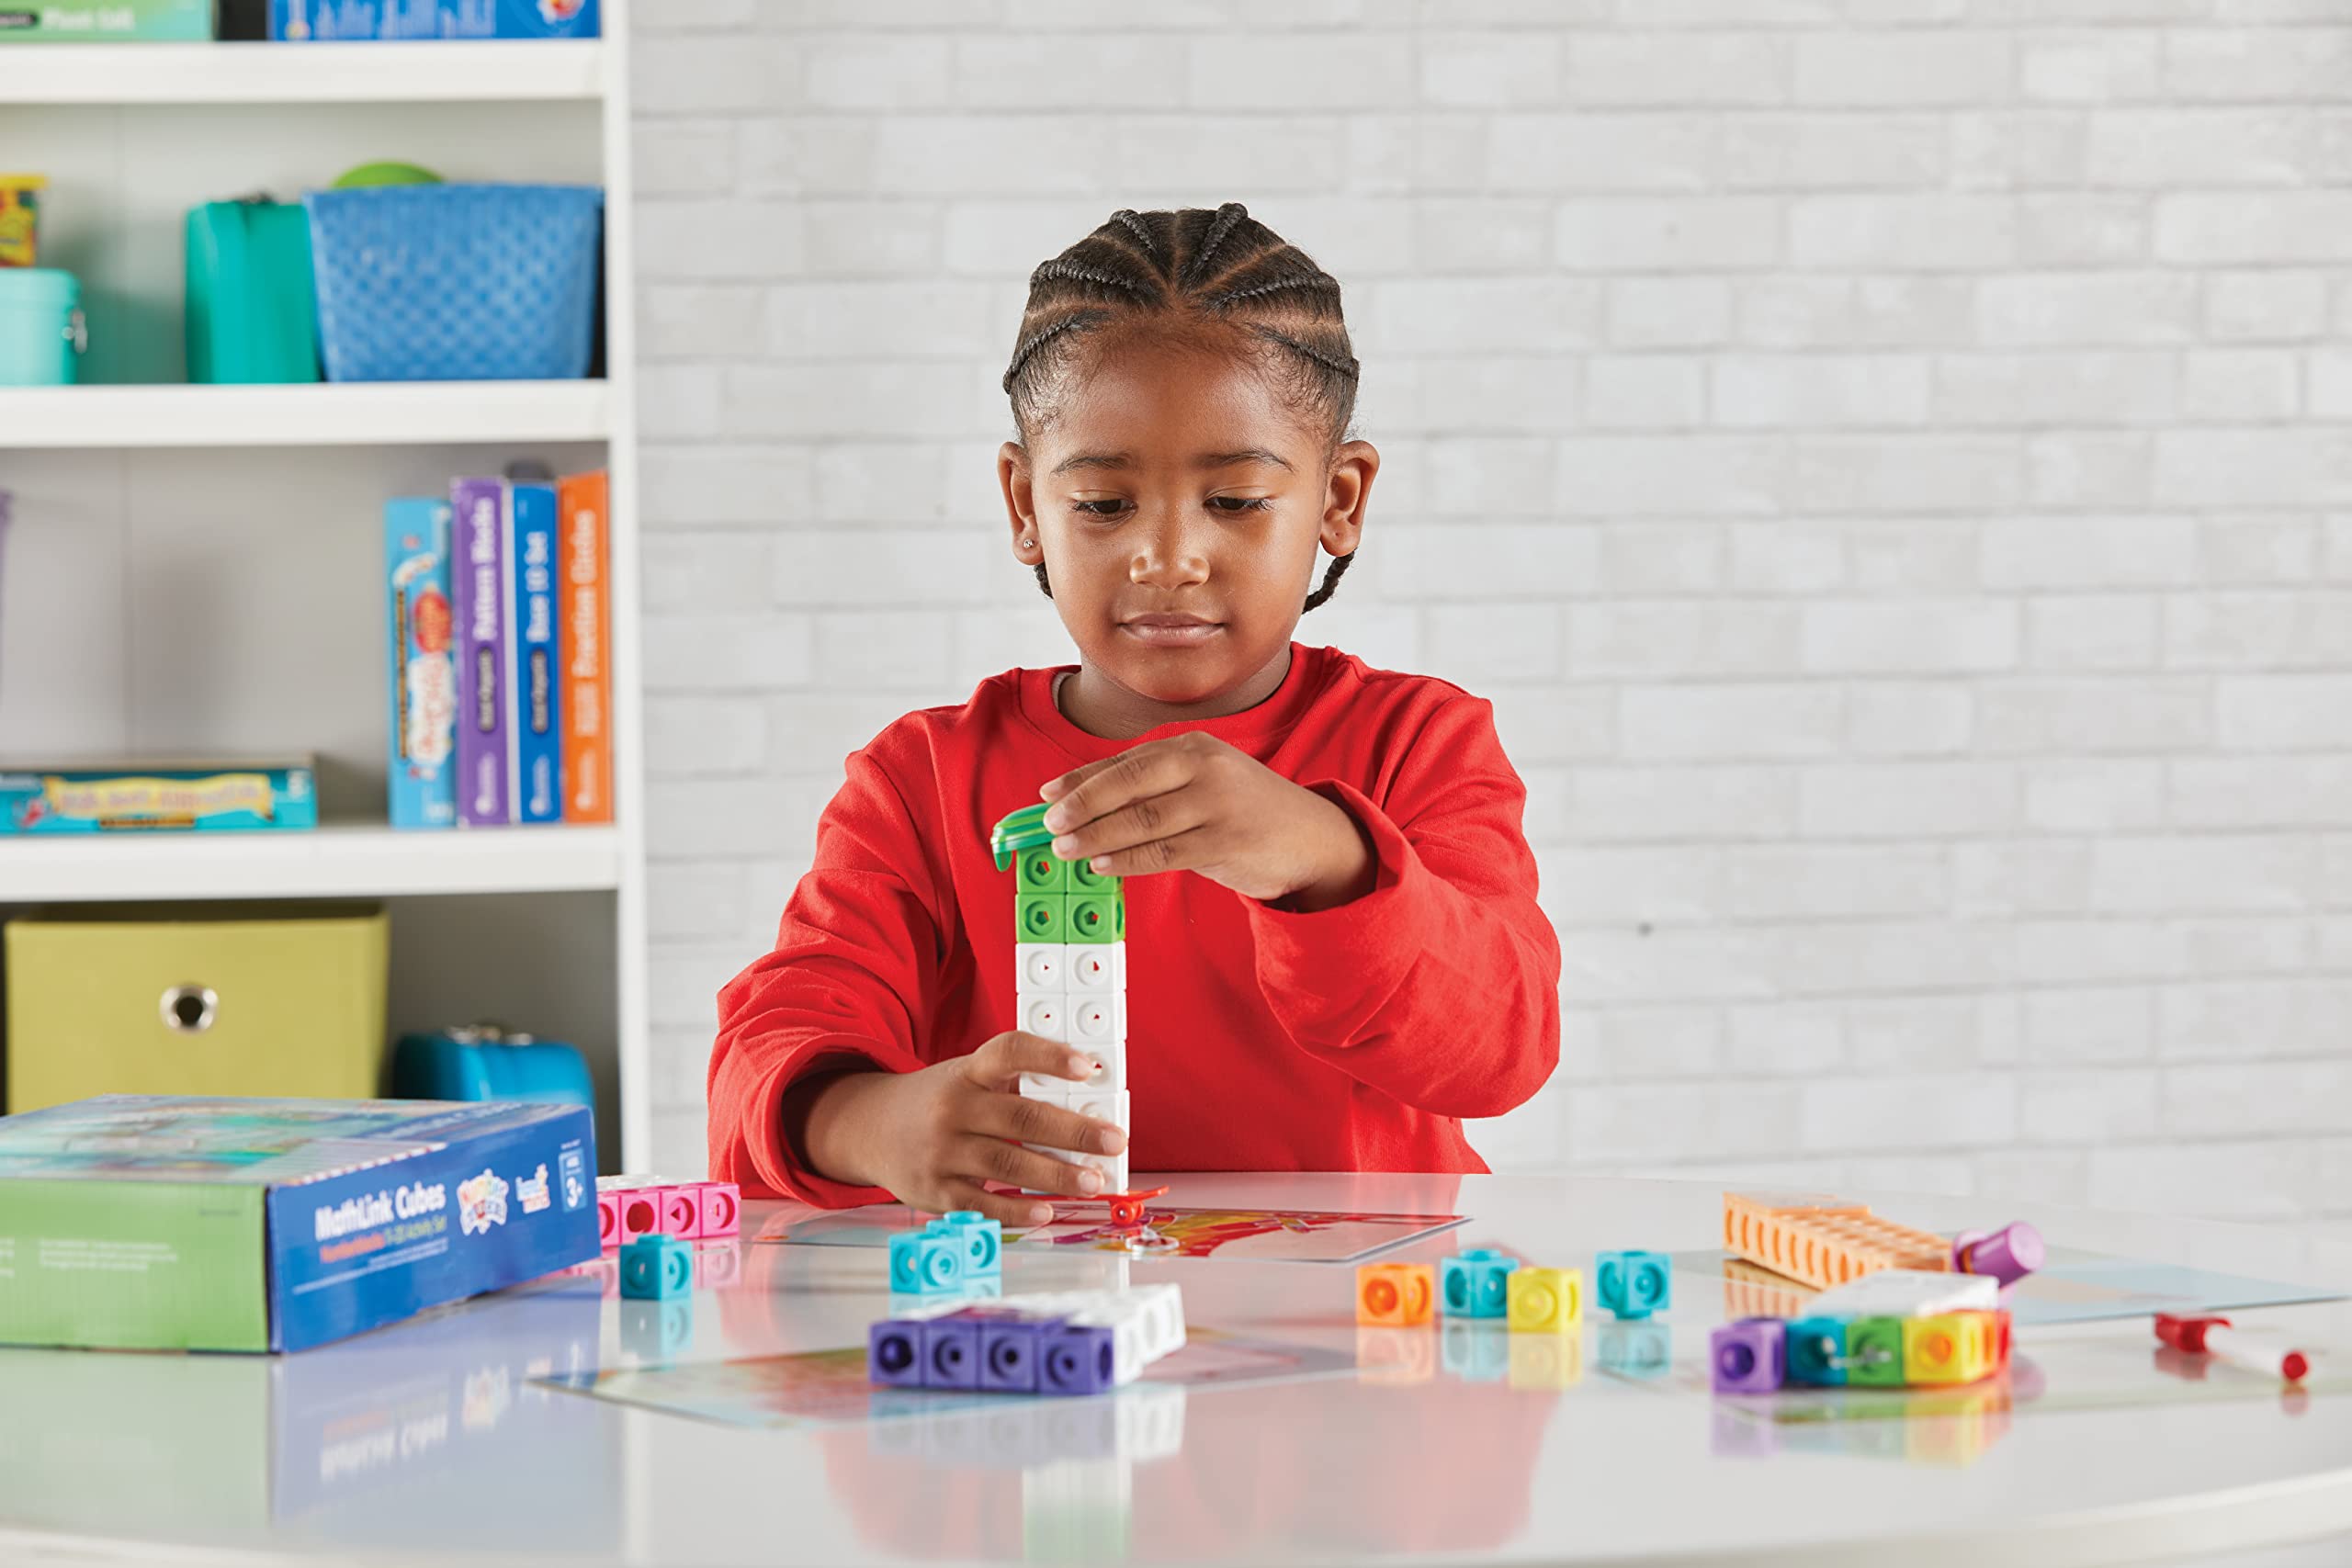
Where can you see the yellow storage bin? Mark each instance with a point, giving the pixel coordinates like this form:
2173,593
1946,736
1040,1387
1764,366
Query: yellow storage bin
238,999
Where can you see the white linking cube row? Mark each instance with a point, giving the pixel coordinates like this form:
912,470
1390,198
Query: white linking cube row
1070,967
1077,993
1146,1322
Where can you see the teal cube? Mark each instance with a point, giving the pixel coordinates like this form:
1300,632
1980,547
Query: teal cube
656,1268
1476,1283
981,1238
1817,1351
922,1263
1634,1284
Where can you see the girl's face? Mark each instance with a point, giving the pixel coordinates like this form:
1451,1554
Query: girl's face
1177,504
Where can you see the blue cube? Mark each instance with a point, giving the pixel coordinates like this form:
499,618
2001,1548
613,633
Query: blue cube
1476,1283
1634,1284
982,1240
894,1354
1817,1351
656,1267
922,1264
951,1353
1077,1360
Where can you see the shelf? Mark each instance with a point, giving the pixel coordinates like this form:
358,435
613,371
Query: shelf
117,73
322,414
322,862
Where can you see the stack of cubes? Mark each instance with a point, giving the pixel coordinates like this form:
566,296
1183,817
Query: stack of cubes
1070,980
1056,1343
954,1252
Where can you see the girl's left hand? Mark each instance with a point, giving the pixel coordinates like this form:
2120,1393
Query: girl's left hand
1194,803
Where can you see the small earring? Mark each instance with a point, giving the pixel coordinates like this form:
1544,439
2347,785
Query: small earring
1027,541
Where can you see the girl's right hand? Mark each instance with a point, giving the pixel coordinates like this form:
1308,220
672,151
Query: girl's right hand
932,1137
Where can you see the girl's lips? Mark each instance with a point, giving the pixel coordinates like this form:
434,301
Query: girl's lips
1172,633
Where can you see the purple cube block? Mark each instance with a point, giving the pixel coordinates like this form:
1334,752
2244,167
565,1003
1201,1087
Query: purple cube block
894,1354
951,1353
1011,1353
1750,1356
1077,1360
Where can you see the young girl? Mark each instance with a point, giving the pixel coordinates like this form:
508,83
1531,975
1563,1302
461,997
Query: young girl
1335,949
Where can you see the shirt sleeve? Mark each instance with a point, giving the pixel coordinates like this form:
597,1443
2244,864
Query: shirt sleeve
1441,987
856,961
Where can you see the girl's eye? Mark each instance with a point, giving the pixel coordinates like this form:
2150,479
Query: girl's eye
1227,503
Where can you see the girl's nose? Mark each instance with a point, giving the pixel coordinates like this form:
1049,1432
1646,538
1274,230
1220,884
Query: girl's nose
1170,556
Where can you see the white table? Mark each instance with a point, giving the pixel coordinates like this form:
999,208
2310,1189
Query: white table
428,1442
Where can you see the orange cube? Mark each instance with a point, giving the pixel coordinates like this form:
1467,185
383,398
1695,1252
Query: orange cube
1395,1295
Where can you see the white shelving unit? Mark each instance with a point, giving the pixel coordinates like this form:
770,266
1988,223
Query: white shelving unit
197,570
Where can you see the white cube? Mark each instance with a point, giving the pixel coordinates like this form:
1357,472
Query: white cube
1094,966
1046,1014
1041,967
1092,1019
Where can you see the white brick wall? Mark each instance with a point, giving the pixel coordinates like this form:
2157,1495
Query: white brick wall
1886,460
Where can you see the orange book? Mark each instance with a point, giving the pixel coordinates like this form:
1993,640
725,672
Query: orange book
584,648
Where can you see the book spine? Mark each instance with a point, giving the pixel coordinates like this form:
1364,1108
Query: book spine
421,777
479,506
538,726
584,648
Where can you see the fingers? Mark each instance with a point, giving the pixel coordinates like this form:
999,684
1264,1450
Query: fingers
1000,1062
1187,850
1026,1121
1137,825
1152,768
1005,1208
992,1159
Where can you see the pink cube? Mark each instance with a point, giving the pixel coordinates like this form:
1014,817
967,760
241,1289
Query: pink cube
722,1208
681,1213
608,1220
641,1209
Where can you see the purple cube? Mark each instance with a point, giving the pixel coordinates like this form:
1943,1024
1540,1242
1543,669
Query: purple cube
1011,1352
1075,1361
951,1353
1750,1356
894,1354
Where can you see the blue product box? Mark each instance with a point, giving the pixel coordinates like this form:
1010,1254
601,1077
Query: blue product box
321,21
534,735
158,796
174,1222
422,773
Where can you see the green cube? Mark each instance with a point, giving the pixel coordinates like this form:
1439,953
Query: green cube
1084,878
1874,1352
1039,872
1095,916
1042,916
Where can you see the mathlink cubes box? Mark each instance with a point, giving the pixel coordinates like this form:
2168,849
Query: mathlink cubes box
159,1223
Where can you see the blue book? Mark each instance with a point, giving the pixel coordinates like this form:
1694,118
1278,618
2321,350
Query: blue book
535,736
423,772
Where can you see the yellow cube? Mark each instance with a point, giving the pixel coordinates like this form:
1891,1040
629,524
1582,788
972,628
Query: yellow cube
1545,1301
1950,1347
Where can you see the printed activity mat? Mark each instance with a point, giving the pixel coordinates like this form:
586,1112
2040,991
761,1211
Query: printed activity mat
2070,1287
829,1388
1259,1235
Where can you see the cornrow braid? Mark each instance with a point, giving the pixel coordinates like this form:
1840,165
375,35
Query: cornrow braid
1190,267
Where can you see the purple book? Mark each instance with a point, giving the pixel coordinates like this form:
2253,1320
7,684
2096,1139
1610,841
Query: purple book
478,580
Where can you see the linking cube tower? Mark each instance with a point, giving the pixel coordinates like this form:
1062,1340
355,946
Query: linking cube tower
628,1207
1070,981
952,1253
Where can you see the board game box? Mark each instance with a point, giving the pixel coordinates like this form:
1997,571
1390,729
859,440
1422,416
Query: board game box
159,795
155,1222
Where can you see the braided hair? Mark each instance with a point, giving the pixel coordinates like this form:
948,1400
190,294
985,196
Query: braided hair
1190,268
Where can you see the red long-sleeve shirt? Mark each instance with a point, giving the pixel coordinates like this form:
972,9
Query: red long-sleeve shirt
1352,1038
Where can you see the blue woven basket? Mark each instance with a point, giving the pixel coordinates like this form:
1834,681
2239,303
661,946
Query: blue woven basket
456,282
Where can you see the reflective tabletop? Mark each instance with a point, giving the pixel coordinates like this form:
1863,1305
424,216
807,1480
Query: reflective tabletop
439,1441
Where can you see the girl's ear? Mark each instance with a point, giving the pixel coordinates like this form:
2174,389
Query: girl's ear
1349,488
1020,504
